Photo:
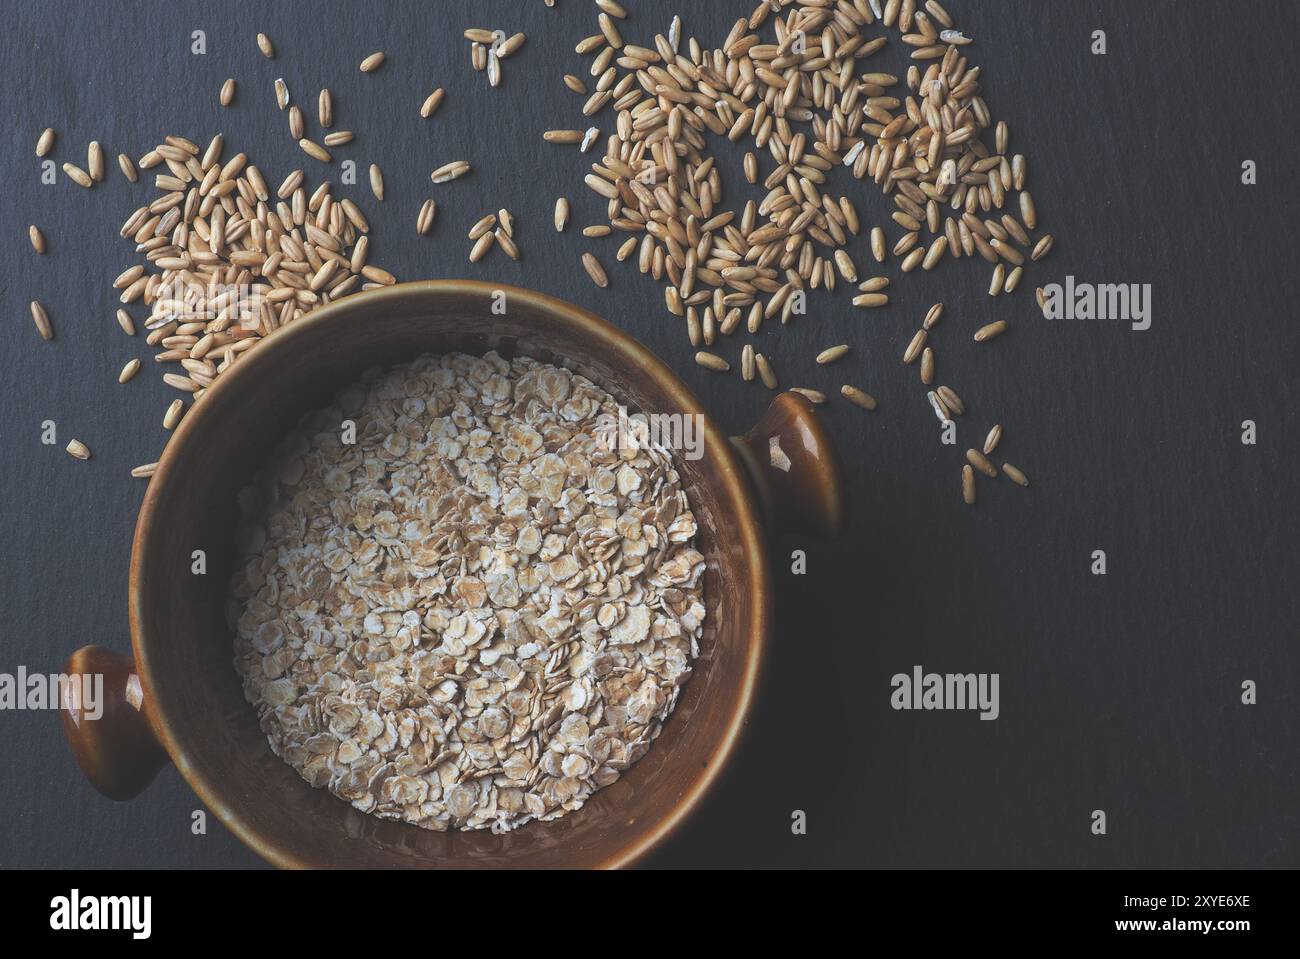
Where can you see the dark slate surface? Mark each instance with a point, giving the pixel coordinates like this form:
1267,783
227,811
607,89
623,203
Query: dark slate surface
1119,692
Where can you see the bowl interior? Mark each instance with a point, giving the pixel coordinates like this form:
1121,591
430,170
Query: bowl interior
184,649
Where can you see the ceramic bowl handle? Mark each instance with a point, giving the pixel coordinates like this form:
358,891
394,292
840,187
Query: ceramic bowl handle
795,468
108,730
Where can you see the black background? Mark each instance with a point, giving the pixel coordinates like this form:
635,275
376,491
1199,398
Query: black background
1118,692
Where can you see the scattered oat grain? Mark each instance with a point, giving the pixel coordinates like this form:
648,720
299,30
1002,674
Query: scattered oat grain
175,410
981,463
914,348
595,270
78,175
481,246
424,222
314,150
951,400
1015,475
42,321
858,397
710,361
431,103
814,396
450,171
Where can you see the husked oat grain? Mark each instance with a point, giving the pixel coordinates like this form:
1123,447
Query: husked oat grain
77,175
858,397
1014,474
711,361
42,320
424,222
432,102
594,270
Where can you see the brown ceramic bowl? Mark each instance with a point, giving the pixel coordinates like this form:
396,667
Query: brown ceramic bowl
181,699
